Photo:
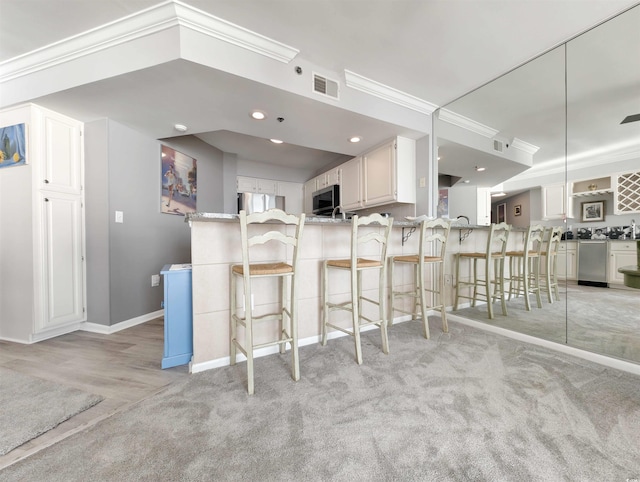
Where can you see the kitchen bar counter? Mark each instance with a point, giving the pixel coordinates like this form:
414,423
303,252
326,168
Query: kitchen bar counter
215,246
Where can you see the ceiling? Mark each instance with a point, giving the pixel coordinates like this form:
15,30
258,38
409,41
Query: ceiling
430,49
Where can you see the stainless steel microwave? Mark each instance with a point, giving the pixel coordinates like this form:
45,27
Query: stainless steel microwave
326,200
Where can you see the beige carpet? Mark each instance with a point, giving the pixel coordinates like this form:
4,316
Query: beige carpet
31,406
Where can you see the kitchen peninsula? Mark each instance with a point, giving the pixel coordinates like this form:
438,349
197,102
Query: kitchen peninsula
215,245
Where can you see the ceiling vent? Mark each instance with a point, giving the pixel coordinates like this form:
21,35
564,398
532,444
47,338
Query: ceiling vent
324,86
497,145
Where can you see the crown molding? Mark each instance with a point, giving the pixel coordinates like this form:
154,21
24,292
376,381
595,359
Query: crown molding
466,123
524,146
161,17
368,86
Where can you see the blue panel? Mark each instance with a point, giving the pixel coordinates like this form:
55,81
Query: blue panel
178,317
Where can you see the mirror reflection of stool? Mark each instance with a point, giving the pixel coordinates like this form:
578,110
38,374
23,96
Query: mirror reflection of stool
431,253
255,235
493,282
524,266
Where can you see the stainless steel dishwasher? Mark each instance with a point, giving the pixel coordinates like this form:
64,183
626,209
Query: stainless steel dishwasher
592,263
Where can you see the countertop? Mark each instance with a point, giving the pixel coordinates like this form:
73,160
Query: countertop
325,220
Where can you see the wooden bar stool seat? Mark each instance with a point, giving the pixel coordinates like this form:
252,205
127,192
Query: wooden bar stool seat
254,236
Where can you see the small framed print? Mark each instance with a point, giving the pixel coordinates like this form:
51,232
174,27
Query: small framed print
592,211
517,210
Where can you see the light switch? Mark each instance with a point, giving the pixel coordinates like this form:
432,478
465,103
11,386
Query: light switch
119,217
423,182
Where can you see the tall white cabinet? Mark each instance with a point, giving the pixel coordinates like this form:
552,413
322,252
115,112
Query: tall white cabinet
55,291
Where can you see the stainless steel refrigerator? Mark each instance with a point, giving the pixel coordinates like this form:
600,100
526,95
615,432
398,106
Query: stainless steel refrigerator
253,202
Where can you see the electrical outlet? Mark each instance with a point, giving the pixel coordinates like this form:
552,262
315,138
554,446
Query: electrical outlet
119,217
448,279
155,280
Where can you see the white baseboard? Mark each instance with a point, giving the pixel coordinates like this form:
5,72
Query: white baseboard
270,350
616,363
108,330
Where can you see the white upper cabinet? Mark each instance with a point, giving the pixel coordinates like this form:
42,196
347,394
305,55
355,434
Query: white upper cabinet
329,178
252,184
389,173
351,185
554,202
61,151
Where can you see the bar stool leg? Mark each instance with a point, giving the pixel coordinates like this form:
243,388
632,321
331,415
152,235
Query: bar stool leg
487,274
248,334
419,268
391,295
441,298
293,331
382,310
234,325
455,301
325,298
355,313
283,324
501,284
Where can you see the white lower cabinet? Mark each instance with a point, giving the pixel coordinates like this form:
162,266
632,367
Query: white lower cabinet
60,300
621,253
568,260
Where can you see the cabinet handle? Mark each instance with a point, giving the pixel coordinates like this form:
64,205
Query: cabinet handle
46,199
46,181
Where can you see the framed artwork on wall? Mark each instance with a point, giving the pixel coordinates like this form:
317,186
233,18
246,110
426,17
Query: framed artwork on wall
592,211
443,203
501,215
517,210
13,146
178,182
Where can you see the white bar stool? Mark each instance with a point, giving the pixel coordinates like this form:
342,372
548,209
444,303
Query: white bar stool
285,270
355,266
550,253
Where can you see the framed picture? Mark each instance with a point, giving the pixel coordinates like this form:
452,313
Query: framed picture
13,146
592,211
501,215
517,210
179,180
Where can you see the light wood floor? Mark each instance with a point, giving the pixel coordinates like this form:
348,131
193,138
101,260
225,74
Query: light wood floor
123,367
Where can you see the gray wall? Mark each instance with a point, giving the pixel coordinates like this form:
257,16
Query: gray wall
123,173
524,201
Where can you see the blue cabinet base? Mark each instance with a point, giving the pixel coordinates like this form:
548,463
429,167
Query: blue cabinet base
178,317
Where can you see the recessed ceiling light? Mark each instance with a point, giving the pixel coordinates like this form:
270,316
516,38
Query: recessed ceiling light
180,128
276,141
480,169
355,139
498,194
258,115
466,181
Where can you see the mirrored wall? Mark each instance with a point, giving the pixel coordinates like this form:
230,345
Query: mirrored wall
552,139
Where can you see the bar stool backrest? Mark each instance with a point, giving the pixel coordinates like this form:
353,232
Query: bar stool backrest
270,215
359,240
497,240
434,235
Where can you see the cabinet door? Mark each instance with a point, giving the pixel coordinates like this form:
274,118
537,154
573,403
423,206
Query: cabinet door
333,177
554,202
62,155
380,175
351,185
621,254
246,184
61,284
309,188
567,262
267,186
483,196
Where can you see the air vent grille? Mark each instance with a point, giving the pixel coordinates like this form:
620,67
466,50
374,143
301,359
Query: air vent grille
325,86
497,145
